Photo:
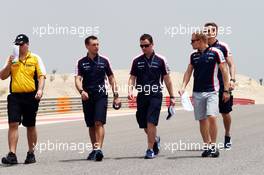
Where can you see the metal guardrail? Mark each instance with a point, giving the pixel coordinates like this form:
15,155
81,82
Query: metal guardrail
63,105
73,104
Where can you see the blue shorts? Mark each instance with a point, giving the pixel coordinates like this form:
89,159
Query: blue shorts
22,108
225,108
95,109
148,109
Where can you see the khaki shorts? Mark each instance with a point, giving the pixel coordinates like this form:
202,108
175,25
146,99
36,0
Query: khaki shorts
205,104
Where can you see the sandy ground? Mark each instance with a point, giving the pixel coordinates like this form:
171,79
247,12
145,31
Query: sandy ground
63,85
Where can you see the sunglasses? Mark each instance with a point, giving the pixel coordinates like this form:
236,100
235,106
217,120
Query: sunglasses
144,45
193,40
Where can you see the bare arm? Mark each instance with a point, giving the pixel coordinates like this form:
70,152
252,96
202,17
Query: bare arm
186,78
168,83
113,83
232,67
78,83
41,83
232,71
131,84
224,70
5,72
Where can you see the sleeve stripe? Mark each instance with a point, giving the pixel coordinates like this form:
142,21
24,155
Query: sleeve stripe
108,62
41,65
165,63
228,52
220,55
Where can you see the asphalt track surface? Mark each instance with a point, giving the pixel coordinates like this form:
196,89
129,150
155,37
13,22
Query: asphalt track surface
125,147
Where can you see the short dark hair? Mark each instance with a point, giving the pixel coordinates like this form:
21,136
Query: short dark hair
87,40
211,24
146,37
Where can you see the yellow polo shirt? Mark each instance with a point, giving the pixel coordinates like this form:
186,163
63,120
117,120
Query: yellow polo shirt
24,74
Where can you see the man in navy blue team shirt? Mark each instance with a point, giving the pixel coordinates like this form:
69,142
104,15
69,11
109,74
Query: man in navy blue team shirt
205,63
224,107
90,81
147,73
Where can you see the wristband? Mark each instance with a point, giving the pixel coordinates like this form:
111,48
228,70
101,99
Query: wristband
233,80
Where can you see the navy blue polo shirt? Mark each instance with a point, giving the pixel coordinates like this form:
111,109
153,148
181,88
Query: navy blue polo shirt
149,71
94,72
226,52
205,66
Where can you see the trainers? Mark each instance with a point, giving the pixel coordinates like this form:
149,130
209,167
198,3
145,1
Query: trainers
156,146
30,158
206,152
215,152
10,159
98,155
227,142
149,154
91,156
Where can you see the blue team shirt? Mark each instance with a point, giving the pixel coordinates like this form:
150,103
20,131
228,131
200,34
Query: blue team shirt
94,72
149,71
205,66
226,52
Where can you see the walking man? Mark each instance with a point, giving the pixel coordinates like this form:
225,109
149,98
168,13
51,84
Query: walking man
147,74
224,107
26,89
205,62
91,73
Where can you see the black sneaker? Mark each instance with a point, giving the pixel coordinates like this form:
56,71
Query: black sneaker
227,142
10,159
156,146
30,158
99,155
215,152
149,154
206,152
91,156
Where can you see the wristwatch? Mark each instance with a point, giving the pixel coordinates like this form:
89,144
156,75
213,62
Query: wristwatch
80,91
227,91
116,95
233,80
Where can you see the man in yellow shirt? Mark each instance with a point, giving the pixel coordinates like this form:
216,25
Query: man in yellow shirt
27,78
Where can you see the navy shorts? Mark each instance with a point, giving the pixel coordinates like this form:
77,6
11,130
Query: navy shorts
225,108
95,109
22,108
148,109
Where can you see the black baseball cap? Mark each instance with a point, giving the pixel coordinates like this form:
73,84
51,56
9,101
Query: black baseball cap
21,39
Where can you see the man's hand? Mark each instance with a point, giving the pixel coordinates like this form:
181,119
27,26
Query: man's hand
232,85
130,96
181,92
172,101
117,100
39,95
116,103
84,96
226,96
10,59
